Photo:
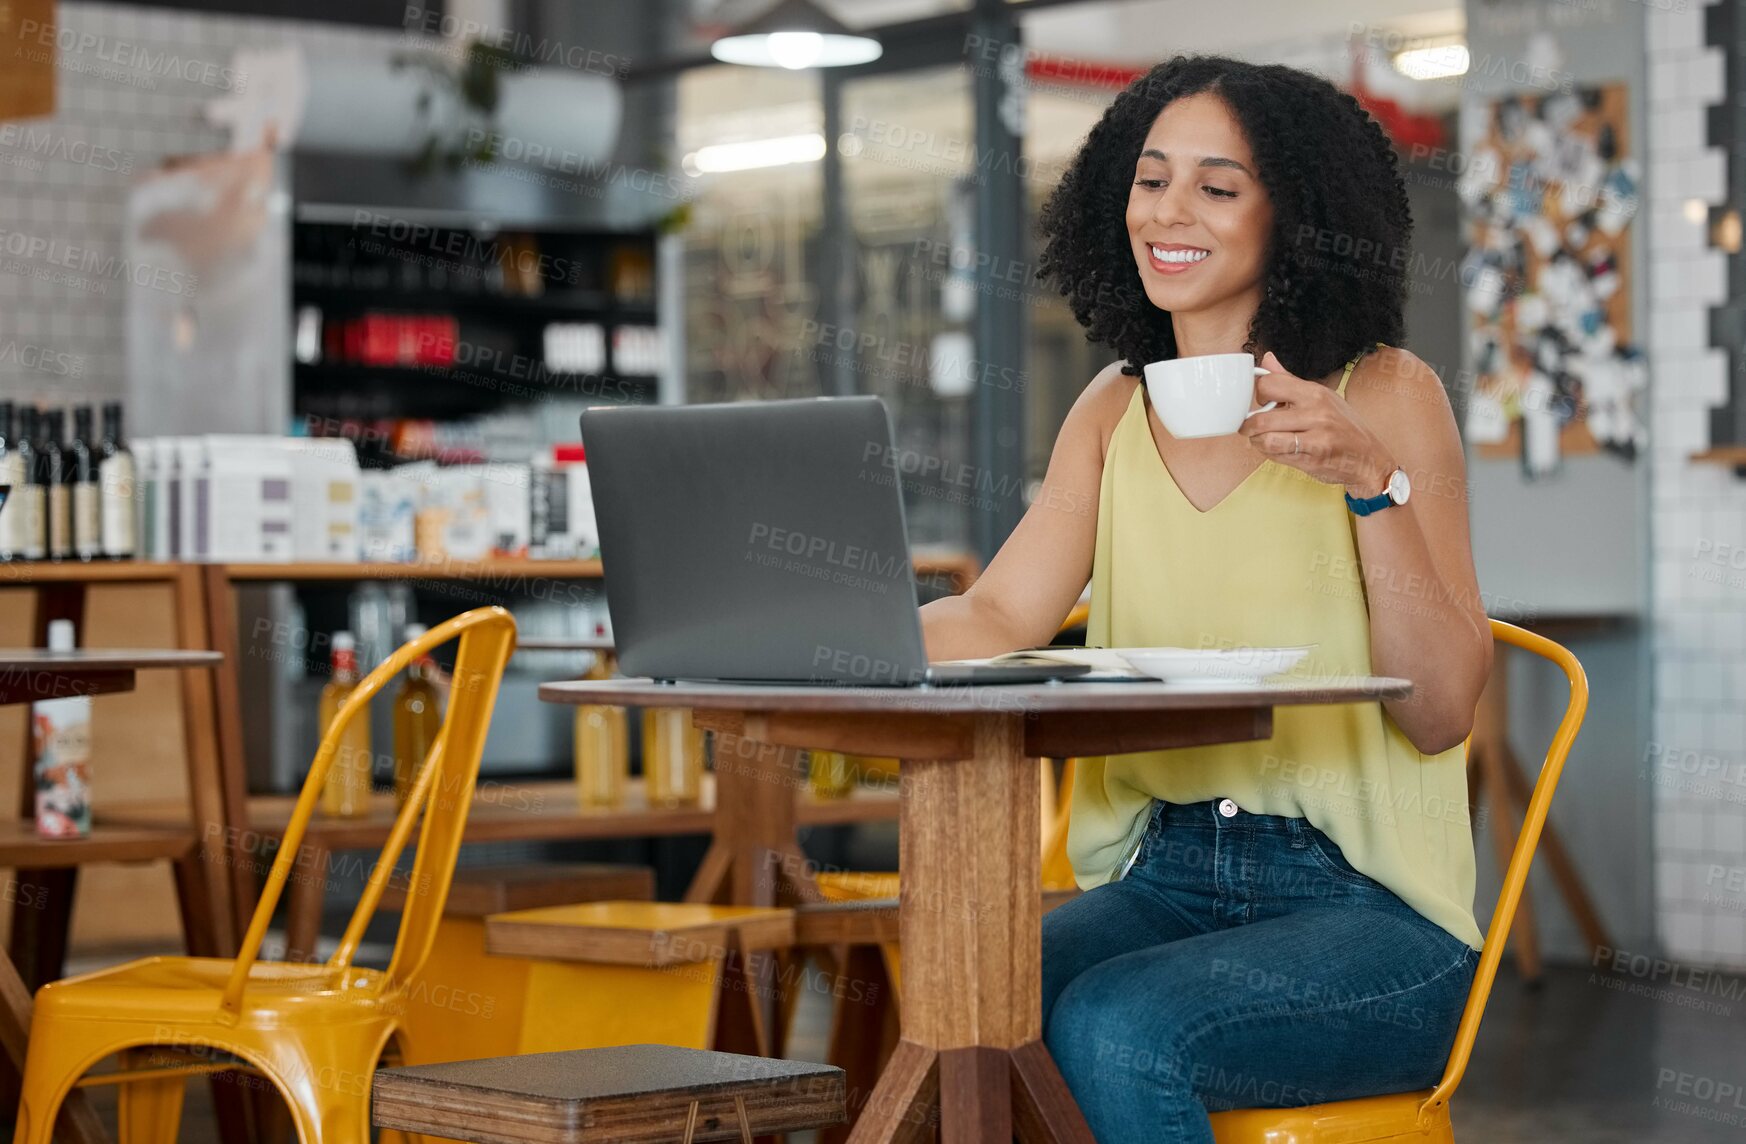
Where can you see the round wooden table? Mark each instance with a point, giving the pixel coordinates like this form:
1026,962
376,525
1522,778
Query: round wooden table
970,851
26,676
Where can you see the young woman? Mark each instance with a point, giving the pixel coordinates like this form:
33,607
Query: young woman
1289,921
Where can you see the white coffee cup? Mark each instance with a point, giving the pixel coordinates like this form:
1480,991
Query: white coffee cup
1205,396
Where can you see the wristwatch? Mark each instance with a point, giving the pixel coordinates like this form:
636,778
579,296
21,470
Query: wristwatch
1395,492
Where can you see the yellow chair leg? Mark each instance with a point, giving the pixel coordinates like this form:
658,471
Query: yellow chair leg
326,1084
57,1056
149,1111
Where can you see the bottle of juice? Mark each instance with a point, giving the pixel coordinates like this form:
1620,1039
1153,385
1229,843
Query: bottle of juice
602,747
347,790
830,774
672,757
417,719
61,745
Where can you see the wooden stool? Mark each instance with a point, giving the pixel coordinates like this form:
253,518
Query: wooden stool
465,1004
631,1093
620,973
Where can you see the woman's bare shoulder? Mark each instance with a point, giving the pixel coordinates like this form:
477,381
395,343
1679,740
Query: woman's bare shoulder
1392,374
1102,403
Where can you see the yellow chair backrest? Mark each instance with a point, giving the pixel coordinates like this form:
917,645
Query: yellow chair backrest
442,794
1516,876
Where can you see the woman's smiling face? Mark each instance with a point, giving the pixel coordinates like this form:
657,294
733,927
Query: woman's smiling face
1199,220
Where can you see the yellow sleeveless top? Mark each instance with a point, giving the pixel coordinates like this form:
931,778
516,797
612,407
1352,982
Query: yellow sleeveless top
1273,564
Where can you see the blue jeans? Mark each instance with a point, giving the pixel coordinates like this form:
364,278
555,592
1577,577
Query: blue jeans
1242,963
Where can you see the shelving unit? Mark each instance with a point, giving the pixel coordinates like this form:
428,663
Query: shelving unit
495,291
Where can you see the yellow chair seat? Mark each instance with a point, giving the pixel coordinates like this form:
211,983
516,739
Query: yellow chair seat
168,989
1368,1120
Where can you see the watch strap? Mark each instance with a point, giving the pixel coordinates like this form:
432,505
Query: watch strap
1368,505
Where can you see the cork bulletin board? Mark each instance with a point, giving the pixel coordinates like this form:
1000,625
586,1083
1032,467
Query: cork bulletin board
27,58
1549,196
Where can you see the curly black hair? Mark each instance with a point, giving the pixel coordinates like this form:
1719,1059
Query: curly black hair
1335,278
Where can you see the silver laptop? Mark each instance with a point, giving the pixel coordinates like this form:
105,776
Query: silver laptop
763,542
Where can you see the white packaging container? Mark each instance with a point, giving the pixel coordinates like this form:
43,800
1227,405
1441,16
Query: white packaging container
507,504
454,522
243,500
324,499
584,532
152,522
61,754
388,504
187,498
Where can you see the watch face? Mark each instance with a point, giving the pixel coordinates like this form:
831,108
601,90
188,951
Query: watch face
1399,488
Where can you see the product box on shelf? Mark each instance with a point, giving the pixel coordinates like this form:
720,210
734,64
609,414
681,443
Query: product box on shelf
506,503
185,478
324,498
148,520
388,503
454,521
562,506
243,509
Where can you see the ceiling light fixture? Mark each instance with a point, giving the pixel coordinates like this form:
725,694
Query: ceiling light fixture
755,153
1438,61
796,34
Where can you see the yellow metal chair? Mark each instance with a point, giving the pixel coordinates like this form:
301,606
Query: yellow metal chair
315,1032
1423,1117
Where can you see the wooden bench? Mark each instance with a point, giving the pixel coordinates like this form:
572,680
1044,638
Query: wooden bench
617,973
626,1095
466,1004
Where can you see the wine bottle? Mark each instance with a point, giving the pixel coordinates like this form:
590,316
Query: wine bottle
27,507
51,474
81,476
116,483
13,476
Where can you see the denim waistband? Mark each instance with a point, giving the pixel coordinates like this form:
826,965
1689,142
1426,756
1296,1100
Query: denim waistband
1207,814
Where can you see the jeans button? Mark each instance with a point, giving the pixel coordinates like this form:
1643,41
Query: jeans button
1227,808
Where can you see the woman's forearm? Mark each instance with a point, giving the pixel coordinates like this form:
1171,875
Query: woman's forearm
969,627
1424,629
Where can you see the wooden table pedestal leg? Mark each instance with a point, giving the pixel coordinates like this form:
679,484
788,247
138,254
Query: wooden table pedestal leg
754,859
972,1059
303,911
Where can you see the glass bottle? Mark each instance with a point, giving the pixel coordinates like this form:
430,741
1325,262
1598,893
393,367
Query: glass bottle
81,474
602,747
27,508
417,719
12,476
830,774
115,479
672,757
51,474
347,790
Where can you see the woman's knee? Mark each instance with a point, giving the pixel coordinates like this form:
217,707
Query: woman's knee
1060,965
1100,1042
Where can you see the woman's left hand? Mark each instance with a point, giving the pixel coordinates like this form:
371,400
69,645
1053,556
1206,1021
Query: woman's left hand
1315,430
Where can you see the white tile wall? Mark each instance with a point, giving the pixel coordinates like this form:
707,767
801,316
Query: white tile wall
1699,605
125,94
